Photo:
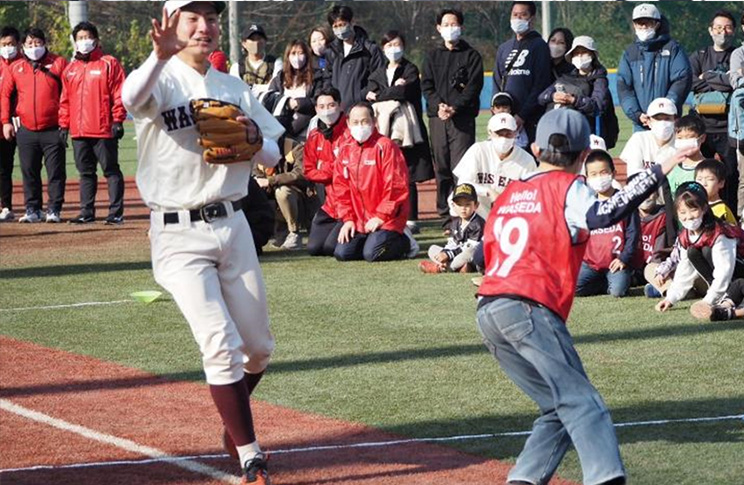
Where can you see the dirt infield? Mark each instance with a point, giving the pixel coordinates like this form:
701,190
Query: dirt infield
125,405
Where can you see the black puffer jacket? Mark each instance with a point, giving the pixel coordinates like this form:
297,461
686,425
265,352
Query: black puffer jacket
453,77
349,74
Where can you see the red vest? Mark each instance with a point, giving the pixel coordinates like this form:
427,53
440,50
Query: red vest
650,231
709,238
527,243
605,244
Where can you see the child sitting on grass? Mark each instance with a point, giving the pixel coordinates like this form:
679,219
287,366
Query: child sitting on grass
466,233
690,134
711,174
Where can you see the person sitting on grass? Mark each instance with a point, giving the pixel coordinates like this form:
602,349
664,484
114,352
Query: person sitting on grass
709,247
690,133
606,265
729,308
467,232
711,174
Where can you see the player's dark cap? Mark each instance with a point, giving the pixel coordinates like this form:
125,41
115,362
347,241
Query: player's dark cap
253,29
569,123
465,192
172,6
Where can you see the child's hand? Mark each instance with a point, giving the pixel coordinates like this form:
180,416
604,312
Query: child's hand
616,265
678,158
659,280
663,306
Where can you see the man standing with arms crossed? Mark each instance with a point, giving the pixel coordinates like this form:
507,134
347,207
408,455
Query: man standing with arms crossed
202,251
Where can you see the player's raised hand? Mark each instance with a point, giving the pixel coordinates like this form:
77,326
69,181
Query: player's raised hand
678,158
165,42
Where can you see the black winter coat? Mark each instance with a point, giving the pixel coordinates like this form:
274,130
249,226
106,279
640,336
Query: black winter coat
453,77
350,74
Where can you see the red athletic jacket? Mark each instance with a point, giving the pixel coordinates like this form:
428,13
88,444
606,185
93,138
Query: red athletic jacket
319,159
653,230
371,180
91,96
38,91
4,69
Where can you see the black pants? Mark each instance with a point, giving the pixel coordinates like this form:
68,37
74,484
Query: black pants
718,143
702,261
378,246
33,147
449,141
7,152
89,152
323,234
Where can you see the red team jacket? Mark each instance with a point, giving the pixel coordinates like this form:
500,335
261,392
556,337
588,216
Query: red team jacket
604,245
519,262
652,228
319,158
5,69
91,96
38,92
709,238
371,180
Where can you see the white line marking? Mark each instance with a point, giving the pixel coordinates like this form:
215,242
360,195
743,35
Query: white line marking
122,443
72,305
373,444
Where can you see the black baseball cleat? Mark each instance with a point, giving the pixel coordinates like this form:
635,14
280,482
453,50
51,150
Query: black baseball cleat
256,471
82,219
721,313
114,220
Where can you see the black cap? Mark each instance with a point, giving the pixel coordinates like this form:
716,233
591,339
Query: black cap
466,192
254,29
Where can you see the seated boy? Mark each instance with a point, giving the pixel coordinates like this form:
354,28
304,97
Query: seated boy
467,232
711,174
690,133
606,264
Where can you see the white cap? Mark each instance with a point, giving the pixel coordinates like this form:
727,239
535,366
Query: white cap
172,6
662,106
646,11
582,41
597,143
502,121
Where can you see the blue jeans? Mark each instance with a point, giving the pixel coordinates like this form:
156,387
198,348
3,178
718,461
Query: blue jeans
535,350
593,282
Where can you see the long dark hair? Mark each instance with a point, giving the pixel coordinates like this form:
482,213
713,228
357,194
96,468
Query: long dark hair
693,196
292,76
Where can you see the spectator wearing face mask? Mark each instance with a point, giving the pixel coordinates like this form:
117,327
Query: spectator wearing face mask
689,135
9,40
559,42
399,82
294,89
351,56
647,148
452,80
36,81
585,89
654,66
318,42
523,66
257,68
491,165
91,112
711,85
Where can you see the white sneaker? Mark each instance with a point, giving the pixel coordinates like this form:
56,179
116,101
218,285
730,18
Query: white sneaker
293,242
6,215
53,218
413,227
30,217
413,252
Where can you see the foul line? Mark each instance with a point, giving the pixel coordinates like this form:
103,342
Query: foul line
124,444
72,305
187,462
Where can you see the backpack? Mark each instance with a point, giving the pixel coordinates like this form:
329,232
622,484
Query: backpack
736,116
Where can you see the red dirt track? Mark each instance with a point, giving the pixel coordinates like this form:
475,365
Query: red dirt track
179,418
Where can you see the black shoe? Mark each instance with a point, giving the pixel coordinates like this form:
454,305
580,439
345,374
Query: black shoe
82,219
720,313
114,220
256,471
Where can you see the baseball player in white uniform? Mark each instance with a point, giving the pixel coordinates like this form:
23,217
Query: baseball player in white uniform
202,247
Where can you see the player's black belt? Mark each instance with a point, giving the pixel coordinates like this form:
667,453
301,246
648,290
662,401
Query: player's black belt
207,213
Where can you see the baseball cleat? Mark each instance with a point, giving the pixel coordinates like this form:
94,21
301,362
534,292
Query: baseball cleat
256,471
114,220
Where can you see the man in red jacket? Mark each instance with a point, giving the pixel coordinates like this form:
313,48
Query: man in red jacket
9,40
36,81
90,110
370,180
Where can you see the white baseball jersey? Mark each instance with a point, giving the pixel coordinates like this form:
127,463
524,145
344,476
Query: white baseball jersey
641,151
171,174
482,167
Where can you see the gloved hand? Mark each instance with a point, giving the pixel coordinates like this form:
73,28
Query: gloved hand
117,131
63,135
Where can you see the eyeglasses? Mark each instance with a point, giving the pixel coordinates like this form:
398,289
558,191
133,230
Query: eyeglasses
719,29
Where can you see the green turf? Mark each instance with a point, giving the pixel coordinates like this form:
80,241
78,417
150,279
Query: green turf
387,346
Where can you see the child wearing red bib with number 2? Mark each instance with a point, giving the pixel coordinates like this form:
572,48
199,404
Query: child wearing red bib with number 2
534,242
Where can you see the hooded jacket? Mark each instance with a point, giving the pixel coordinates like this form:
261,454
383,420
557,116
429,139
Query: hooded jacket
349,73
658,68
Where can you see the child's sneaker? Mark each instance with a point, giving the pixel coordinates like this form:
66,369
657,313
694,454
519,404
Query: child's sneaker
650,291
721,313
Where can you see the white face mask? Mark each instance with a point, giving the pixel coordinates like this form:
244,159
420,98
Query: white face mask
682,144
502,145
343,33
557,51
34,53
662,130
8,51
329,117
692,224
520,26
361,133
298,61
600,184
85,46
394,54
451,33
722,41
583,62
644,35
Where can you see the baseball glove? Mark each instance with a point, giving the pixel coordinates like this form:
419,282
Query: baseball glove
223,138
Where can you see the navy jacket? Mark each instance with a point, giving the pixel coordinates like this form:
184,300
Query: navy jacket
350,74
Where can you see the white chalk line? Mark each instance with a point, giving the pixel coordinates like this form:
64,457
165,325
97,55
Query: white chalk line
122,443
71,305
371,444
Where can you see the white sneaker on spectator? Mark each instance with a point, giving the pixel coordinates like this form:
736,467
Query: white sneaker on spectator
53,218
6,215
31,217
293,242
413,227
413,252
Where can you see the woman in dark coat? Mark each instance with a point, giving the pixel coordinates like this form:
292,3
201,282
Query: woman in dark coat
399,81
